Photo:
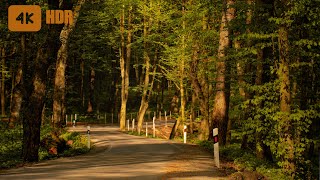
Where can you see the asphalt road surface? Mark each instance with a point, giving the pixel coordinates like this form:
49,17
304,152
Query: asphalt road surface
122,156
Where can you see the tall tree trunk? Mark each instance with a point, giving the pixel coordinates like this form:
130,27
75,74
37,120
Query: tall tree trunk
124,66
199,85
35,92
123,108
193,114
286,138
115,90
82,82
17,90
136,69
181,79
147,91
128,50
60,79
91,90
221,101
144,99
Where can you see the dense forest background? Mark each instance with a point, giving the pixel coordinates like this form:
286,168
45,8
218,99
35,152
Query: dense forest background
249,67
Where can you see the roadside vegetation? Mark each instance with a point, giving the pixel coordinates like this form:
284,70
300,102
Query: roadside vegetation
244,163
53,145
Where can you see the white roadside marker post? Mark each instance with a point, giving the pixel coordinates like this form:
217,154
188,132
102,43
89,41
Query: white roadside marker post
154,127
132,125
75,119
128,123
216,147
165,114
146,129
88,132
185,134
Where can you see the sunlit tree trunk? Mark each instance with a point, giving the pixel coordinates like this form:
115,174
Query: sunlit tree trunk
221,100
61,63
144,99
181,79
125,67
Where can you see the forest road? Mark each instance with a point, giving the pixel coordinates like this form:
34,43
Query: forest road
122,156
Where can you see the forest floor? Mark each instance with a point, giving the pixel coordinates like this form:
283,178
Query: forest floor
121,156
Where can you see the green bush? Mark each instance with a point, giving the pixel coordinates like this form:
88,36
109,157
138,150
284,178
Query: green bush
10,145
75,144
246,160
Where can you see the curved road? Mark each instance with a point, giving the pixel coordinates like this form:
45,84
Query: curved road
122,156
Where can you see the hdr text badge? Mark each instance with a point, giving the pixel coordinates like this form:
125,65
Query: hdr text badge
27,18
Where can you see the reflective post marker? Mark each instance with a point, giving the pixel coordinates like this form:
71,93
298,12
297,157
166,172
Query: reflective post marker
146,129
88,132
132,125
216,147
185,134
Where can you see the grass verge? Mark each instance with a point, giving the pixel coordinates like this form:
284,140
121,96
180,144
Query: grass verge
11,145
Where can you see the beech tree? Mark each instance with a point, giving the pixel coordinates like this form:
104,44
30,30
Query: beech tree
222,96
62,56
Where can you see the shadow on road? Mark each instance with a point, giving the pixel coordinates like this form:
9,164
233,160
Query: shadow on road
119,156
